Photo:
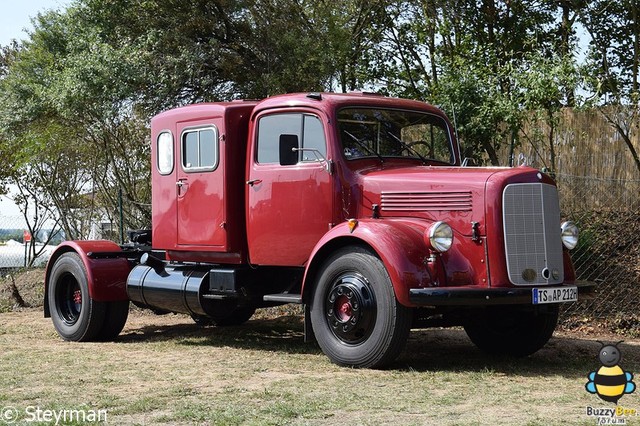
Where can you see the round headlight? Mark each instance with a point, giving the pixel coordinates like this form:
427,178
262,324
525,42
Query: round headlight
440,237
569,235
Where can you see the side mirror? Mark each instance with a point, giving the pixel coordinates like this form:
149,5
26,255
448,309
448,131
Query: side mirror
288,150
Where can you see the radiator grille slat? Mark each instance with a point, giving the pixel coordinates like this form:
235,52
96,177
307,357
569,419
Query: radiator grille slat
531,215
426,201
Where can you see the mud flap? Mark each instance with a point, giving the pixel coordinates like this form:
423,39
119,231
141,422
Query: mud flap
309,336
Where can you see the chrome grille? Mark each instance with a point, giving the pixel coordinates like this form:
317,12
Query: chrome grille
531,216
426,201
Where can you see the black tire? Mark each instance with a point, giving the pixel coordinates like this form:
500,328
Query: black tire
512,330
75,315
356,317
116,314
227,314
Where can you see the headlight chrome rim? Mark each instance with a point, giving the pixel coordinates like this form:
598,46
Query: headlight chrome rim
440,236
569,234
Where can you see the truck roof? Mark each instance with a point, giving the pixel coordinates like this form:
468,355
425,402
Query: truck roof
203,109
317,100
336,100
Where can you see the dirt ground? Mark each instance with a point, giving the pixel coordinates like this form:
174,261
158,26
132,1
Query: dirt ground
166,370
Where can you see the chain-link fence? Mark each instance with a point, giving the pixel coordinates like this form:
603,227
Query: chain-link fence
608,253
18,248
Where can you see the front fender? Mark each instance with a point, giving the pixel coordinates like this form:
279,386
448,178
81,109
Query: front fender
107,277
398,243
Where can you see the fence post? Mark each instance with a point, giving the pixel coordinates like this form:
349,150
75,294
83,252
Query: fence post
512,147
121,215
26,238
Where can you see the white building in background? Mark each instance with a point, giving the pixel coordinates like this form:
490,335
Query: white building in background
103,229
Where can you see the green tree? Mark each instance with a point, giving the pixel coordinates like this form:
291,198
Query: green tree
613,62
65,105
92,76
543,92
474,59
78,94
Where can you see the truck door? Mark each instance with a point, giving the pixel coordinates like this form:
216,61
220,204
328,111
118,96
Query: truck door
199,191
289,206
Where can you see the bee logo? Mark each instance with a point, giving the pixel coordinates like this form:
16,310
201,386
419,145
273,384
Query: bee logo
610,382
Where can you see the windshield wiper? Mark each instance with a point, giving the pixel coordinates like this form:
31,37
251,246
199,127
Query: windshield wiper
364,146
408,147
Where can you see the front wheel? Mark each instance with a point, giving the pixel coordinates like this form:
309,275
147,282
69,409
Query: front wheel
512,330
355,315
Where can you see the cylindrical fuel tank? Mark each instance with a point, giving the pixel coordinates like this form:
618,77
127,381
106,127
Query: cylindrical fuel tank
174,289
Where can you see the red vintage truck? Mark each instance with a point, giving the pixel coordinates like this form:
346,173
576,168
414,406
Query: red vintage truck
355,205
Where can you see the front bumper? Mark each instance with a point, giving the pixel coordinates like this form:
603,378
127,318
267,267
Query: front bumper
481,296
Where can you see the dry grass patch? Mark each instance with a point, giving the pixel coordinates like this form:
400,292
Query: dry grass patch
167,370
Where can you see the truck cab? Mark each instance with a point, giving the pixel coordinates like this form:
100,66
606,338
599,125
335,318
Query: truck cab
355,205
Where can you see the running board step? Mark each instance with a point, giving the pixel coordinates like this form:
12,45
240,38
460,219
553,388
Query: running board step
283,297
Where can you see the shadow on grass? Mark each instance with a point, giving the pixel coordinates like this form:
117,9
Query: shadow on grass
280,334
426,350
451,350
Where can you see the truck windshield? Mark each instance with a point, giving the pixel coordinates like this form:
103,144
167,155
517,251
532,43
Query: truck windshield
373,132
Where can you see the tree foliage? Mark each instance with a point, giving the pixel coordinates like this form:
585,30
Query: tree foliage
614,58
76,96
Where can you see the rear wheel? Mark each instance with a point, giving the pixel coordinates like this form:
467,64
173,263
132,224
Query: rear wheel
76,316
356,318
116,314
512,330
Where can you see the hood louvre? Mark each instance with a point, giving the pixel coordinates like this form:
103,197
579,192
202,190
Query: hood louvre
426,201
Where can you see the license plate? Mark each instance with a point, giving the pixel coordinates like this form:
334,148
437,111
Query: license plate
555,295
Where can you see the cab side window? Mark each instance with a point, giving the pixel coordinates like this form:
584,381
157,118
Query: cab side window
307,128
200,149
165,153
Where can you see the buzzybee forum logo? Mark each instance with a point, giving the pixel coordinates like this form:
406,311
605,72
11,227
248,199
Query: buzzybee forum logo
610,382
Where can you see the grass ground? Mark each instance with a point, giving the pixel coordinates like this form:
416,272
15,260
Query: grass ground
165,370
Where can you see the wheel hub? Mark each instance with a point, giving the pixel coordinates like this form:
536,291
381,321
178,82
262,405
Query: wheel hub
350,308
344,309
69,300
77,297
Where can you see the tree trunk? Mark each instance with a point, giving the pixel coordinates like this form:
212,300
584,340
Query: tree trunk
15,294
636,47
565,36
626,134
552,149
491,152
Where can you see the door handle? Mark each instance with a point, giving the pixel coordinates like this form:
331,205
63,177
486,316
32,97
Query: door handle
254,182
182,186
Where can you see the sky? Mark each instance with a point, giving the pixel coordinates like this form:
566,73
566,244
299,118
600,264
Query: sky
15,17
